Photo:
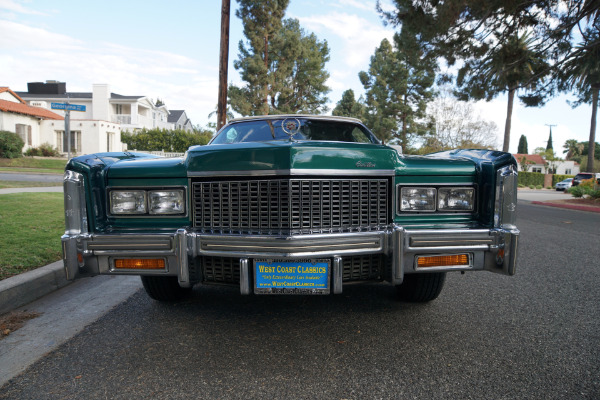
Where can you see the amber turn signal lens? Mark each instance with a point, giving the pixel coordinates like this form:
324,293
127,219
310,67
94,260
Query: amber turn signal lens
145,263
443,261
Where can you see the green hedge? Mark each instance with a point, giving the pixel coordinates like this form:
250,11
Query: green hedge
536,178
531,178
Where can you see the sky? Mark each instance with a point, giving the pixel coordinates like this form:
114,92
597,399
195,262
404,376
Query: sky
170,50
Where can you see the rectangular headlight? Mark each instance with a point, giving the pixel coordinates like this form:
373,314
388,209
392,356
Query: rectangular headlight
166,202
456,199
417,199
128,202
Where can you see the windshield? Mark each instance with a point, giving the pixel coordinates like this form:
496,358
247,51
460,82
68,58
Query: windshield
296,128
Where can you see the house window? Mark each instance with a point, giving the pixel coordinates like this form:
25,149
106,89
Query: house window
61,139
536,169
568,171
24,132
118,109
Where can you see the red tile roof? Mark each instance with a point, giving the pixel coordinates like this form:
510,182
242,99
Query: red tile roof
534,158
22,108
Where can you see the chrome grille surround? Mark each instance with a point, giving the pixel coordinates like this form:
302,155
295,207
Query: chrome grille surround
293,206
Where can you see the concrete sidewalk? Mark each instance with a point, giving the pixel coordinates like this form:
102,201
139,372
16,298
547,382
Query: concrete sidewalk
46,189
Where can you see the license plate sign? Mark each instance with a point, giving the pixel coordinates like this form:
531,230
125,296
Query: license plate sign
291,277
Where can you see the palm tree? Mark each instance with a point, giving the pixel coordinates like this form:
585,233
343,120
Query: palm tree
573,149
509,67
582,74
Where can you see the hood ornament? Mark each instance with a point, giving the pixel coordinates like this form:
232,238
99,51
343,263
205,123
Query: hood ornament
291,126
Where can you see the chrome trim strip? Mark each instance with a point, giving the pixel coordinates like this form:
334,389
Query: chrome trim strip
155,246
338,275
182,258
244,277
445,240
296,172
295,246
398,252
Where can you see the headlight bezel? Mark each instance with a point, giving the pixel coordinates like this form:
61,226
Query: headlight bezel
149,212
437,188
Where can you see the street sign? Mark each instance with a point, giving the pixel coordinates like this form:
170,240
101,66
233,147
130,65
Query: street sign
69,107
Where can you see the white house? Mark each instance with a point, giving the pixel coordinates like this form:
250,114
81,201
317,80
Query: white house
106,115
32,124
537,163
180,120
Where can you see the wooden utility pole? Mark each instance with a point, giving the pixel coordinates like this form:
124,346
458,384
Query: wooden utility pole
223,64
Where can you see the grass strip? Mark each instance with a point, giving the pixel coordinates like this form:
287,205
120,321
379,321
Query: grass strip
30,227
56,165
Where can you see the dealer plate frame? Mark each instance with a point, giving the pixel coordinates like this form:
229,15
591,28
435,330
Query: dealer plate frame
259,277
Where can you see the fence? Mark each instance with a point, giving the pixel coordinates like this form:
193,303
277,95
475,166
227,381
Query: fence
161,153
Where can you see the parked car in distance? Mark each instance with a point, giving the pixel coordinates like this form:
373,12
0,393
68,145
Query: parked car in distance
582,176
564,185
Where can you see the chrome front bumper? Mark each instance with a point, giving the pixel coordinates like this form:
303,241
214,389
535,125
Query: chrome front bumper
488,249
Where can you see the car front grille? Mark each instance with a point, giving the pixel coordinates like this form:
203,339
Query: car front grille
290,206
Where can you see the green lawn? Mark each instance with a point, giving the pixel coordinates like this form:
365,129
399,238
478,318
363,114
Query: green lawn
35,165
30,227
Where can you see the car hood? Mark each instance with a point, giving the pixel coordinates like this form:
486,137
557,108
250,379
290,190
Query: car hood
312,157
290,158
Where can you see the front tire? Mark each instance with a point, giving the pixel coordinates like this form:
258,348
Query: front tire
165,288
421,288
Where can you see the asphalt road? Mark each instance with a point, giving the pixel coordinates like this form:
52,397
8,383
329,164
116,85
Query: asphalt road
535,335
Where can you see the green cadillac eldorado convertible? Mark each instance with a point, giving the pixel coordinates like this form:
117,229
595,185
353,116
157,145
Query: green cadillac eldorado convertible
291,204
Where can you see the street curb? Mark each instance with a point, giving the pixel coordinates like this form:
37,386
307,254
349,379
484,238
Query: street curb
24,288
569,206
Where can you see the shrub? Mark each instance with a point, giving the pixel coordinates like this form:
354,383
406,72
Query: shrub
538,186
11,145
576,191
33,152
595,194
531,186
45,150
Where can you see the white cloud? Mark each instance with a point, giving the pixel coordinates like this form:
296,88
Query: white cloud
359,36
14,35
180,81
18,7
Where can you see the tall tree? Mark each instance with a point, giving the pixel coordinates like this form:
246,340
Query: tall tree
477,32
582,74
549,145
572,148
283,66
348,106
523,148
507,68
398,84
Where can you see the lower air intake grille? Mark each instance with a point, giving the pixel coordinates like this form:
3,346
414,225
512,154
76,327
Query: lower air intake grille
221,270
363,268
